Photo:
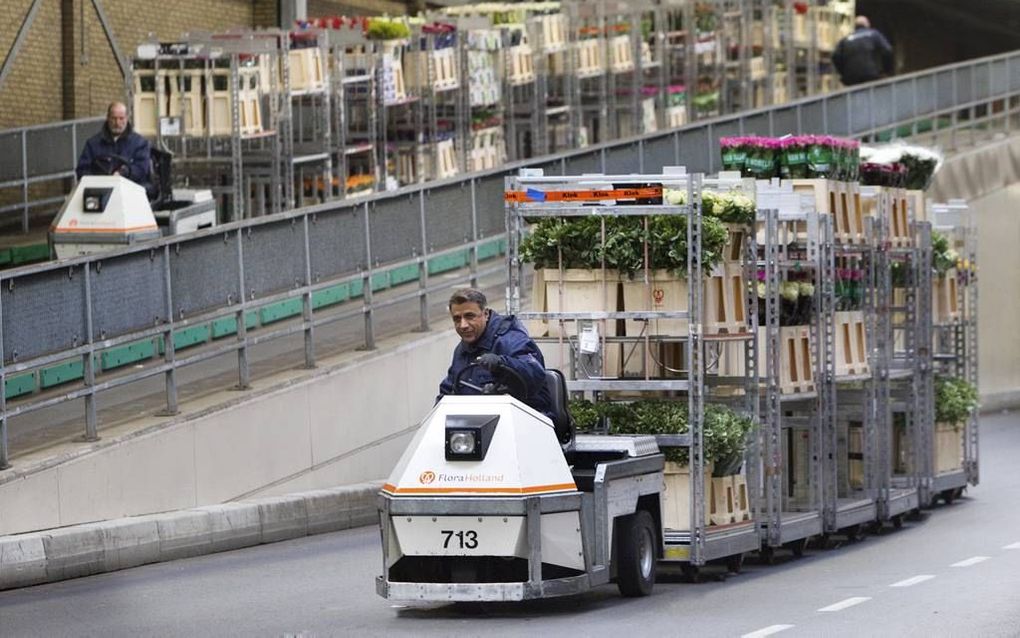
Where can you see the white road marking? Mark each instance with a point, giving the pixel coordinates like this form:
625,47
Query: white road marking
843,604
913,581
974,560
1012,546
767,631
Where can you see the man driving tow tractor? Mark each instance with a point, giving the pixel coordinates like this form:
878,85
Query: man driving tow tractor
117,150
500,349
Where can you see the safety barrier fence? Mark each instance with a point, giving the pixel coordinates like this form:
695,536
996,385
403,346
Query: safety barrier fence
62,322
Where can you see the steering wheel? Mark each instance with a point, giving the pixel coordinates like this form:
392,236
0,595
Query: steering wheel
517,387
110,164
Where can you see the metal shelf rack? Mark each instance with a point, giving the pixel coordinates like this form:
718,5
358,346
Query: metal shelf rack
701,543
955,345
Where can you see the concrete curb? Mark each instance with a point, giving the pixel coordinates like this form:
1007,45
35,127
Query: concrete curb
94,548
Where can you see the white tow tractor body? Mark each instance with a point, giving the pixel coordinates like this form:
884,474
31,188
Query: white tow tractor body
483,505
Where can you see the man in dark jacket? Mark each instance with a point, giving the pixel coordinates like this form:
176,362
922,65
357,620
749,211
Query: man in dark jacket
863,56
117,149
496,343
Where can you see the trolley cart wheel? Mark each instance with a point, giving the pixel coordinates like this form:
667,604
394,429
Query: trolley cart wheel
875,528
915,514
949,496
635,552
767,555
691,572
798,547
853,533
735,563
958,492
897,521
821,541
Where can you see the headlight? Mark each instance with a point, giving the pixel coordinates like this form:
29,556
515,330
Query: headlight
468,436
462,442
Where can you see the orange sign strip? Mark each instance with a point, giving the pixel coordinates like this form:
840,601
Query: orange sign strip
105,230
644,192
534,489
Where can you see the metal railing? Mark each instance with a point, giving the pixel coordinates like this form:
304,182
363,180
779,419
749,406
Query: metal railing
75,308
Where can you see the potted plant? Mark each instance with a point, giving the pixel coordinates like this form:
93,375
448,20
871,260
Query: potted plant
955,402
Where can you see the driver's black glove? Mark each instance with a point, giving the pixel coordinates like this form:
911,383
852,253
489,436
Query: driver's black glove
490,361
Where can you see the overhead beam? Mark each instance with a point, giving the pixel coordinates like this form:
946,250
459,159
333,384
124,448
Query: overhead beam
26,25
121,60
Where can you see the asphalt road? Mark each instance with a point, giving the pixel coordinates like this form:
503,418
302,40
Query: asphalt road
956,572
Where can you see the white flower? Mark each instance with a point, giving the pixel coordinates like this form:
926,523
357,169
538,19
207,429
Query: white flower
789,290
674,197
743,202
761,290
806,288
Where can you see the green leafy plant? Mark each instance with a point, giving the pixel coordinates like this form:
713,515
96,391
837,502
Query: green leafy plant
724,435
943,256
955,400
383,29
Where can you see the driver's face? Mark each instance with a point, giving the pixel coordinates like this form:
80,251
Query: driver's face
469,319
116,119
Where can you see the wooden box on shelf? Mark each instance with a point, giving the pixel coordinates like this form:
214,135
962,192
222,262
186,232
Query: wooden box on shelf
851,343
948,447
676,498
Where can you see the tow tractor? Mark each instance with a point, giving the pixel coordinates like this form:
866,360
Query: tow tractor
494,501
106,212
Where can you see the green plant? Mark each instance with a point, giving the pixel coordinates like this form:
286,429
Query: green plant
955,399
943,257
383,29
724,434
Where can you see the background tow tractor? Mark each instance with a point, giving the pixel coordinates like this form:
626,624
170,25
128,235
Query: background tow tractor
492,501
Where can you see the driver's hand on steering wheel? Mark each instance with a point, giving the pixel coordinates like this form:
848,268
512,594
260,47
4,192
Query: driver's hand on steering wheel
490,361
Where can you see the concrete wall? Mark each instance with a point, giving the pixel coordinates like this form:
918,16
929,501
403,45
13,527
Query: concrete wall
999,297
339,424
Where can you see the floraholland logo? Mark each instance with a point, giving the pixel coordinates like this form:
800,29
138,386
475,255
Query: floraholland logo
426,477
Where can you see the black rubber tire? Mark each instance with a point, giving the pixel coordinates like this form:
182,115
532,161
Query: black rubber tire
897,521
767,555
852,533
635,554
949,496
735,563
798,547
691,572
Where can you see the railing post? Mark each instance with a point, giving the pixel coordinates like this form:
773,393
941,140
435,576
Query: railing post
423,266
243,372
307,302
366,291
169,349
4,457
88,360
474,233
24,183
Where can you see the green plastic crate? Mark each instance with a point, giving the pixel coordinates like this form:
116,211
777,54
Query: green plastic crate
380,281
490,249
446,263
127,354
279,311
331,296
404,274
29,254
19,384
187,337
224,327
61,373
357,288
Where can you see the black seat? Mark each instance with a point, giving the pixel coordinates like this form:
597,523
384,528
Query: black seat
563,423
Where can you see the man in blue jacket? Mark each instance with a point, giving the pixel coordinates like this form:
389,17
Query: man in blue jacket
863,56
496,343
117,149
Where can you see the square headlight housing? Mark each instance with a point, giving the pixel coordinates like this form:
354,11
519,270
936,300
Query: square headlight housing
467,437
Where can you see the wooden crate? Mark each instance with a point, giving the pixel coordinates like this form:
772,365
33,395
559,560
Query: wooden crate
899,213
554,31
146,105
851,344
796,360
676,498
250,102
220,118
842,200
522,65
306,73
722,501
855,457
589,57
780,94
757,68
918,205
443,63
725,306
538,327
664,292
186,100
621,55
579,290
945,307
948,447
